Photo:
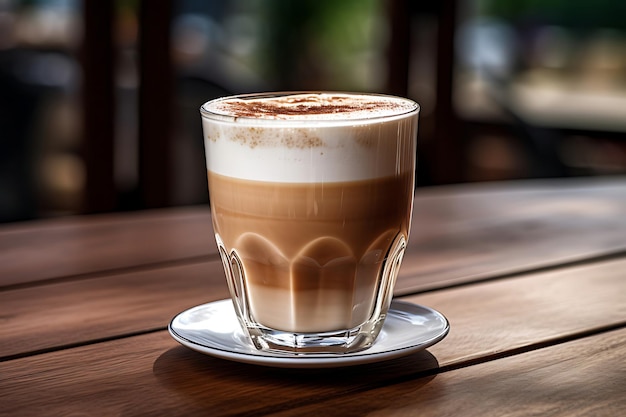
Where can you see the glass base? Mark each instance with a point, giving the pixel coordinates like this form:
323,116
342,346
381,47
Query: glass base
337,342
333,342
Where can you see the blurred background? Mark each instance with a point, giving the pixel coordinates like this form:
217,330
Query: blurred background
99,99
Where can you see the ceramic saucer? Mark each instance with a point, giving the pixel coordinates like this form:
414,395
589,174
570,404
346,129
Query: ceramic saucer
213,329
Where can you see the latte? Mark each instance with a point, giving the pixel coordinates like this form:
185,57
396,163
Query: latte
311,197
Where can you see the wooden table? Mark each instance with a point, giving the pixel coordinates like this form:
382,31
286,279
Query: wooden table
530,274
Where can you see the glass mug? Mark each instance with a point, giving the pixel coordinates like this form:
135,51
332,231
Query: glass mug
311,196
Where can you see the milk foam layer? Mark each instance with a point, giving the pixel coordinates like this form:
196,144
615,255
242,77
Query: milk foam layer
310,137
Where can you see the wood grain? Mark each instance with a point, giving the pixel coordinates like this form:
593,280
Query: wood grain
462,234
84,301
151,375
515,313
69,313
580,378
459,233
71,246
485,318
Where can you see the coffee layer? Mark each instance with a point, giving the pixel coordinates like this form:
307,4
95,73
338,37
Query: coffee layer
311,253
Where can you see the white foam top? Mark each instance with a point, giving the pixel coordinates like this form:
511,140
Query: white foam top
310,137
310,106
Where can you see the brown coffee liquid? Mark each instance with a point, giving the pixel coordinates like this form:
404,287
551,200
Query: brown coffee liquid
311,252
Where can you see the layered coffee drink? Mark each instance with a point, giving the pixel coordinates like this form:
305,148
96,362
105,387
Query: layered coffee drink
311,198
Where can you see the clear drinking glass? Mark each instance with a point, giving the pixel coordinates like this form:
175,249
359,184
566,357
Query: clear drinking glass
311,197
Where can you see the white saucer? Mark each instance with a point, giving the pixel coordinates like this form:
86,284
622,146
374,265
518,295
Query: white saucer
213,329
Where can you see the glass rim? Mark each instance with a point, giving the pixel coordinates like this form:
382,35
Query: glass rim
248,120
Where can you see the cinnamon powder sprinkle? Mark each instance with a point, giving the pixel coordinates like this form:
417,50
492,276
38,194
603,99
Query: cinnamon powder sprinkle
310,106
